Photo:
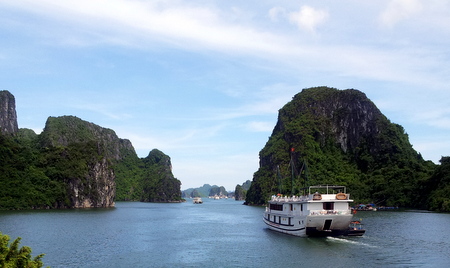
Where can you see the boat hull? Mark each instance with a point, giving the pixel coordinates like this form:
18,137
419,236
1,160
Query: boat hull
313,225
299,230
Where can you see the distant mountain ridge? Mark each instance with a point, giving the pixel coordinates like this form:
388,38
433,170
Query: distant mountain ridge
205,191
344,139
76,164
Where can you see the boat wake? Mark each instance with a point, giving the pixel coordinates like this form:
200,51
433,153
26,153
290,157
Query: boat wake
349,241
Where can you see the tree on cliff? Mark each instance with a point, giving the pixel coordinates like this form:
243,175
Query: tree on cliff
438,187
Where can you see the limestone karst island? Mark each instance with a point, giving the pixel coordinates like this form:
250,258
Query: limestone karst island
342,136
76,164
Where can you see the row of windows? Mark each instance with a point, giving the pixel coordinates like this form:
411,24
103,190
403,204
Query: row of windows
280,220
326,206
276,207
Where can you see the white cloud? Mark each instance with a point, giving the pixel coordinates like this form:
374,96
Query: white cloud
276,12
439,118
143,24
259,126
398,10
203,28
308,18
429,148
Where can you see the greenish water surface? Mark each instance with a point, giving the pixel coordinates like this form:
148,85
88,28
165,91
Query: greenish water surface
221,233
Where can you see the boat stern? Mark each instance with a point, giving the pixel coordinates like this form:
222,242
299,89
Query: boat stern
327,225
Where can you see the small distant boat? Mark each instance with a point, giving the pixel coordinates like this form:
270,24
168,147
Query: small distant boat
197,200
368,207
355,229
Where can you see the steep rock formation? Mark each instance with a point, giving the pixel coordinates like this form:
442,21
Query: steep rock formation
159,184
76,164
241,190
90,152
343,138
8,115
96,189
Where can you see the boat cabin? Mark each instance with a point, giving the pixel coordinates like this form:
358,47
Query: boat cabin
317,200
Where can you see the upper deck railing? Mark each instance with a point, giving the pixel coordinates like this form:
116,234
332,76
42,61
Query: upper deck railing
329,189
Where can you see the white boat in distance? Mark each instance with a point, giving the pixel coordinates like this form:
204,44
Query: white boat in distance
322,211
197,200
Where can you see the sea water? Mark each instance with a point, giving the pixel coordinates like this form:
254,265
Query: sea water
221,233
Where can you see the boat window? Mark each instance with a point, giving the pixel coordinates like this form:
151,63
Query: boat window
292,207
276,207
328,205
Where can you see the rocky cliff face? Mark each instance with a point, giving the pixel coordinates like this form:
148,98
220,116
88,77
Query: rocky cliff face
348,116
93,182
97,189
8,116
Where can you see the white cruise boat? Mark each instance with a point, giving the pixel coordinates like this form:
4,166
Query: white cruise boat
197,200
322,211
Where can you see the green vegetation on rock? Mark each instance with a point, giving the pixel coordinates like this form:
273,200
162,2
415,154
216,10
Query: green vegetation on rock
74,164
438,187
343,139
241,190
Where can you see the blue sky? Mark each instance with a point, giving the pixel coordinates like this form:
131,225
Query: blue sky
203,80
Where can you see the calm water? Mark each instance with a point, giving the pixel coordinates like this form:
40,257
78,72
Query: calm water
221,233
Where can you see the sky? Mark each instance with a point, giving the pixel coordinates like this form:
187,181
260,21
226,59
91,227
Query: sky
203,81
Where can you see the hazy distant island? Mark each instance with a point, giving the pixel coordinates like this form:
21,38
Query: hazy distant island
76,164
344,139
214,191
206,190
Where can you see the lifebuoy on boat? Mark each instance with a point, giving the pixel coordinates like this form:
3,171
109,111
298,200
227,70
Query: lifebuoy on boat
341,196
317,196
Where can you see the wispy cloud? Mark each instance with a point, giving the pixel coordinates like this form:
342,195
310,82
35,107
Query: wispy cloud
188,26
437,118
260,126
398,10
308,18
